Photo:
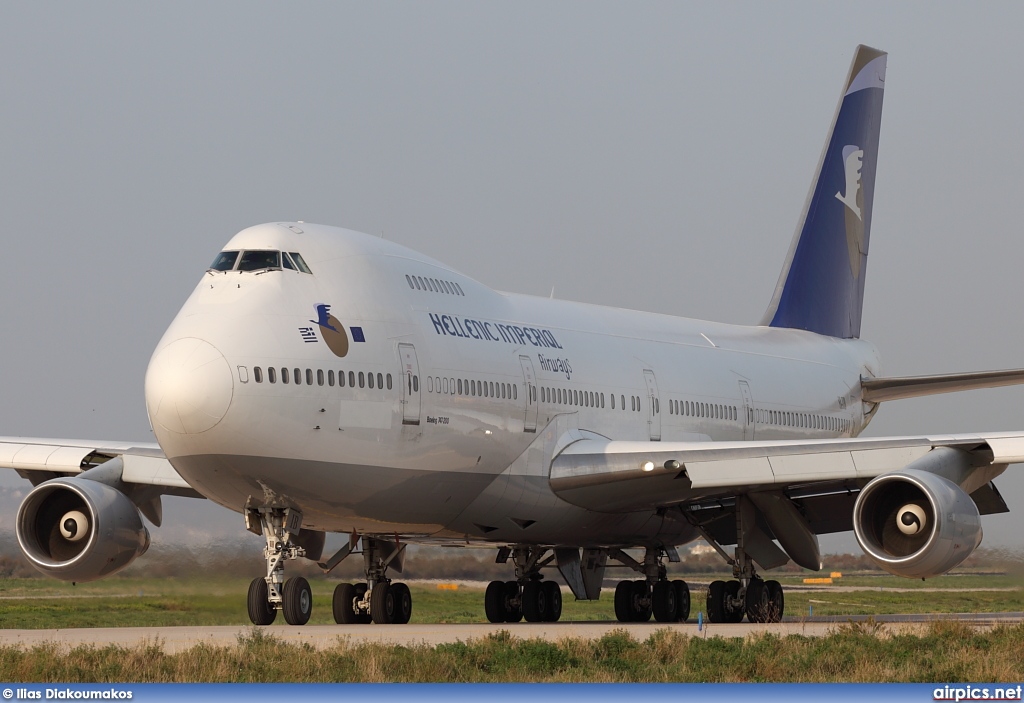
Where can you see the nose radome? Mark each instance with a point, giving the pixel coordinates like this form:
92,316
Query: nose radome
188,386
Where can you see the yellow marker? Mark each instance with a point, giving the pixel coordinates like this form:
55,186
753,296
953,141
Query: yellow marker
819,581
447,586
836,574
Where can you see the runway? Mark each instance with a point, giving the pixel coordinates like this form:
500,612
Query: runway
177,639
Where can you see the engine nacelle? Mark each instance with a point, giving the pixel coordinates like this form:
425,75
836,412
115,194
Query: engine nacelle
77,529
916,524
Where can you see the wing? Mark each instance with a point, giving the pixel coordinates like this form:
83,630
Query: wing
143,467
804,488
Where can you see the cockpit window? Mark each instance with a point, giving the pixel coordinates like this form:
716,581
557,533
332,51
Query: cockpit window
256,260
287,261
300,262
225,261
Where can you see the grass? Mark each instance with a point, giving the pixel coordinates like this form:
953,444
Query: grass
124,602
948,651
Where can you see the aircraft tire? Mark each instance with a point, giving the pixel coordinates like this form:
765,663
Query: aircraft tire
403,603
716,602
682,600
513,612
663,600
641,612
298,601
534,602
382,604
776,600
756,601
494,602
343,604
260,610
553,600
623,601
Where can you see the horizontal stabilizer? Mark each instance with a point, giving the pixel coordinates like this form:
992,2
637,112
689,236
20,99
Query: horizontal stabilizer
878,389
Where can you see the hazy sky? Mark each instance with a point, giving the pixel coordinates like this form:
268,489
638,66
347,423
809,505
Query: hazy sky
645,155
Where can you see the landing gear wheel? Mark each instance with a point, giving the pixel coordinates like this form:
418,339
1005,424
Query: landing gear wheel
553,598
624,601
343,604
382,604
298,601
362,616
682,600
641,593
513,602
403,603
776,601
535,604
260,610
663,600
716,602
732,594
494,602
756,601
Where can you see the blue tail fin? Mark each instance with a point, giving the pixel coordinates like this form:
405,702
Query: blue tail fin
821,288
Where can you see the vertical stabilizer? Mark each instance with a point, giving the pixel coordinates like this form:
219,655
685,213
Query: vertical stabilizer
821,288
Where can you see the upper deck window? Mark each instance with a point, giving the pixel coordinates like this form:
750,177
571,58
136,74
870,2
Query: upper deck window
225,261
259,259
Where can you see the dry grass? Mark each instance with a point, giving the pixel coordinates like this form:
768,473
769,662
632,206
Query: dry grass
946,651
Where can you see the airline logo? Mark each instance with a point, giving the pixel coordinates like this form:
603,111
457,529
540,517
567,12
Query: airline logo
332,331
853,199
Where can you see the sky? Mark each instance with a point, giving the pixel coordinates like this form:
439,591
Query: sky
652,156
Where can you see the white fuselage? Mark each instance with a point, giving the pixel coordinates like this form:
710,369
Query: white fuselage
451,385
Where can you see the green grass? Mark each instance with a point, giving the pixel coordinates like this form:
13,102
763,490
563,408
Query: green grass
945,652
124,602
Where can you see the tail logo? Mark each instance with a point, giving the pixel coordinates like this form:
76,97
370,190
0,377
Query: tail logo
852,156
853,199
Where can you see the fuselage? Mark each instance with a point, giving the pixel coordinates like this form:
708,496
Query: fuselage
383,392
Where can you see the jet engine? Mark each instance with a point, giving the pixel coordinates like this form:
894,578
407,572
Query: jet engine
77,529
916,524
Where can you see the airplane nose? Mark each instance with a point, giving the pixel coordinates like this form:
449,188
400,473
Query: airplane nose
188,386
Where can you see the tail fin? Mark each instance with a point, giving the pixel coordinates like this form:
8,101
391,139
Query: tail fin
821,288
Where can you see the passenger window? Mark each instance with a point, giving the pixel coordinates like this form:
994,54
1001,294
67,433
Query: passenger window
657,406
459,384
298,376
408,280
330,377
415,384
225,261
257,373
352,379
271,374
284,375
369,380
459,288
362,380
309,377
243,374
389,381
259,260
515,392
320,377
430,384
422,283
300,262
416,281
504,387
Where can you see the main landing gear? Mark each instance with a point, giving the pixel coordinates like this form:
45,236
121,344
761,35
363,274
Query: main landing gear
636,601
528,597
377,600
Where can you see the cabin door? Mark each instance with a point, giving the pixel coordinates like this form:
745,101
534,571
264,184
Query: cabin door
530,393
410,384
747,414
653,406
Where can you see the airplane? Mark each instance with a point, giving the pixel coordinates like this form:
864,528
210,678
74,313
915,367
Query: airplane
319,380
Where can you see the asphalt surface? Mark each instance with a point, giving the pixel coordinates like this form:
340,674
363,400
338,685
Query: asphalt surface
176,639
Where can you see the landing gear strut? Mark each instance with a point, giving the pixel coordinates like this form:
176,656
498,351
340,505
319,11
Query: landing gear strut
271,593
747,594
636,601
528,596
378,600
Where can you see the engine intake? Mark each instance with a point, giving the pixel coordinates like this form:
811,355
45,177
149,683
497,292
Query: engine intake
77,529
916,524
